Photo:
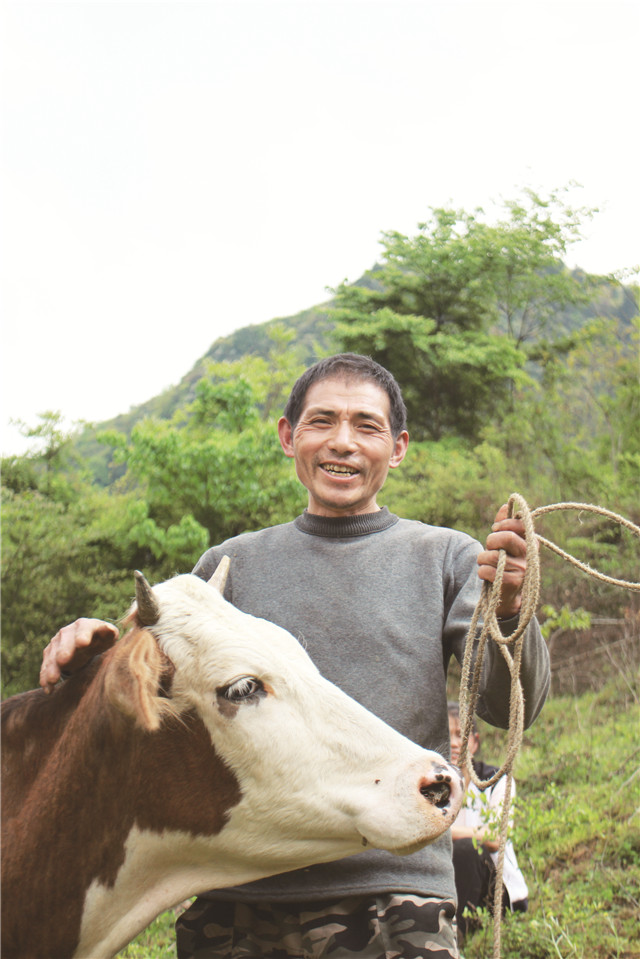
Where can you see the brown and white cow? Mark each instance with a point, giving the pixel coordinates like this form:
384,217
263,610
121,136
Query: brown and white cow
203,750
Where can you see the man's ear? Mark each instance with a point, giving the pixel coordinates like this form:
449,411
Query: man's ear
285,435
399,449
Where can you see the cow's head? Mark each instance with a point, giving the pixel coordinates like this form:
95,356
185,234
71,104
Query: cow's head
313,765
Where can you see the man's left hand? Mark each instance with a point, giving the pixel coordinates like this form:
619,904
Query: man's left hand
506,534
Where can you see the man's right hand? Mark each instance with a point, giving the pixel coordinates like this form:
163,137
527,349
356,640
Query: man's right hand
73,646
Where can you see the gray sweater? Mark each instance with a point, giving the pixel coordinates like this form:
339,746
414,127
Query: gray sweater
381,605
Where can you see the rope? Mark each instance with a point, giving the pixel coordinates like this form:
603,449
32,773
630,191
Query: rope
587,508
472,668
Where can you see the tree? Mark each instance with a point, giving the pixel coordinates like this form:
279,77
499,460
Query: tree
70,548
523,259
50,458
573,436
449,310
64,555
216,469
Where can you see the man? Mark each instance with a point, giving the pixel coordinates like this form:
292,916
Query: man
381,605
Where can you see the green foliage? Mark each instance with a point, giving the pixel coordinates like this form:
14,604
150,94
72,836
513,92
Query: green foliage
57,563
55,450
207,464
158,941
450,309
70,548
51,465
572,436
269,353
561,619
578,423
576,830
425,317
523,262
215,471
452,484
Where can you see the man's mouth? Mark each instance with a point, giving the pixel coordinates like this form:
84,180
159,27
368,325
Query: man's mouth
337,469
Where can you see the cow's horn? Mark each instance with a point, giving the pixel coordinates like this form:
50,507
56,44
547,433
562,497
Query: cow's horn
148,609
219,578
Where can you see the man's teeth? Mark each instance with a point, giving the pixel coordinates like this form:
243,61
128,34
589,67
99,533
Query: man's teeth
343,470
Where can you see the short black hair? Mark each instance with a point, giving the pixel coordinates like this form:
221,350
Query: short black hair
350,366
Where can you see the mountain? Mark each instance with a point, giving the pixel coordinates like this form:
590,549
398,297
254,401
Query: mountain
312,328
313,337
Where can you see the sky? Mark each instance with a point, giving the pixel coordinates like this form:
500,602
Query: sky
174,171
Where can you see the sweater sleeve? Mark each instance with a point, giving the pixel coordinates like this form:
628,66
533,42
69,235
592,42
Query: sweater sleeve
535,676
495,682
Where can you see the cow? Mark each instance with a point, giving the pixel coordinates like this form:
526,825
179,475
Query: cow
203,750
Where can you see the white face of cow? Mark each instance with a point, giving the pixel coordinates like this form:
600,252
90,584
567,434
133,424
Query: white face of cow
321,777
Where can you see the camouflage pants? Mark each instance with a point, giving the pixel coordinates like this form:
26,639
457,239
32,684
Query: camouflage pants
360,927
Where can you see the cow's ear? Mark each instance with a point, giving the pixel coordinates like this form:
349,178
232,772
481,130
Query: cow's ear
136,675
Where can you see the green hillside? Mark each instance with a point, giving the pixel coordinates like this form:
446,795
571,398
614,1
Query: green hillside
518,375
311,330
312,337
577,828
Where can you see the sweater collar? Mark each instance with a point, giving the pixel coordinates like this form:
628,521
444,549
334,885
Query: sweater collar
338,527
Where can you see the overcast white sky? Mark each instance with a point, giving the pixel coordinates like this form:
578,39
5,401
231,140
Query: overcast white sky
174,171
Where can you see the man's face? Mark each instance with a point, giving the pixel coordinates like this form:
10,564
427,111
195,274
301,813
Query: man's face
343,446
455,734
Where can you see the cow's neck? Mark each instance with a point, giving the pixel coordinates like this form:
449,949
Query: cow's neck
102,772
147,884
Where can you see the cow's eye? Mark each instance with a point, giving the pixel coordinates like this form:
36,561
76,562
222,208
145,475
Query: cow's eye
247,689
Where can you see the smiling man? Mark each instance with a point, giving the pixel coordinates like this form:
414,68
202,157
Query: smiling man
343,445
381,604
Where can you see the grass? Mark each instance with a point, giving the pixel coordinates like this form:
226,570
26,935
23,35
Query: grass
577,831
577,835
158,941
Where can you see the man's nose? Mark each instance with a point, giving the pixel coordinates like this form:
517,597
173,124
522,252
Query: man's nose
342,439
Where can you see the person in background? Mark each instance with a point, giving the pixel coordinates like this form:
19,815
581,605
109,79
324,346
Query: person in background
381,604
475,837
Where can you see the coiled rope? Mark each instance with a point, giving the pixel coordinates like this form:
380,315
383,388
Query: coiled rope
511,649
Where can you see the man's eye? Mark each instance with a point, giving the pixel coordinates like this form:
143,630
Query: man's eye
245,689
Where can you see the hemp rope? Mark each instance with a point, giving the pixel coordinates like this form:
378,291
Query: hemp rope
471,671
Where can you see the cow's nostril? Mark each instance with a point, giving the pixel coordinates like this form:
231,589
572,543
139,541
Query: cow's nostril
437,793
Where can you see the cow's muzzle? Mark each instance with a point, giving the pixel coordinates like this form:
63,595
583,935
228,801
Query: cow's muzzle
442,787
